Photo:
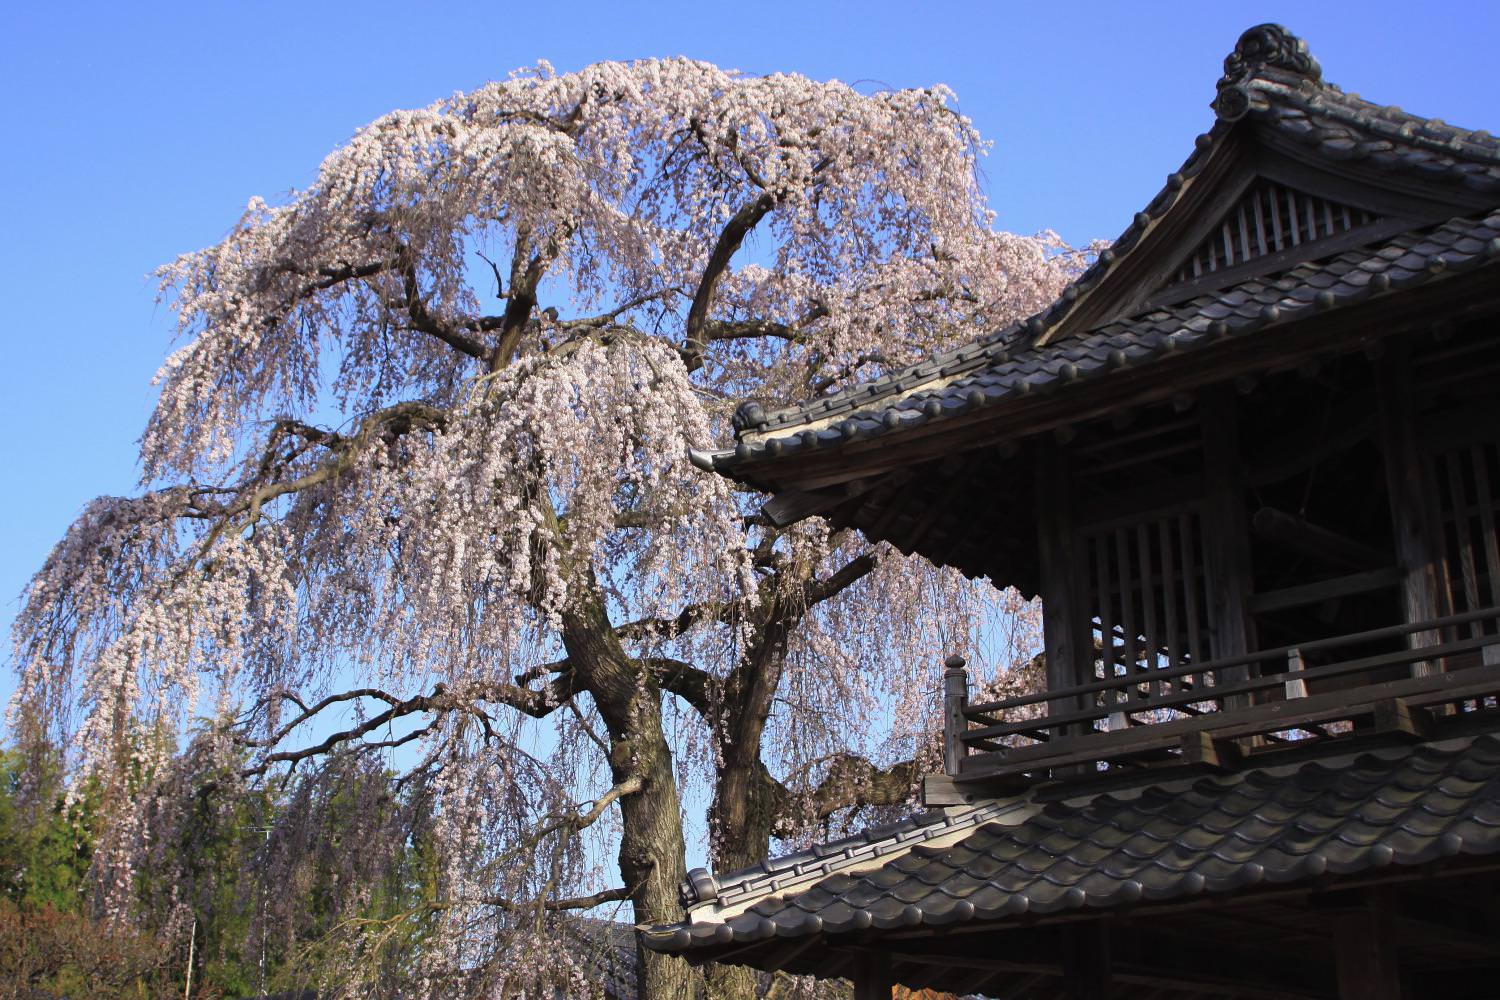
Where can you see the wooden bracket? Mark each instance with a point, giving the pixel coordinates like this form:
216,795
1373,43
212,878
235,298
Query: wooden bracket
1394,715
1202,749
942,790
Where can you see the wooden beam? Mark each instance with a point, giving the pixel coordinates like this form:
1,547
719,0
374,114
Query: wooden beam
1413,517
955,697
1332,548
1226,531
1018,987
1203,750
1285,457
1365,952
1346,329
1064,621
1394,715
1324,590
777,960
1294,678
872,976
941,790
1086,960
1272,717
792,506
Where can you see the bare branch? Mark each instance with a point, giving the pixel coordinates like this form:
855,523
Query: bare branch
607,318
684,621
698,688
308,713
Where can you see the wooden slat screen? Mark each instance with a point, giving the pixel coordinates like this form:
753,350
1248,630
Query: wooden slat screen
1267,219
1148,604
1467,483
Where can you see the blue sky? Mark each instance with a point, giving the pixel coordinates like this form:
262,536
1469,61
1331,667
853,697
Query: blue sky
135,132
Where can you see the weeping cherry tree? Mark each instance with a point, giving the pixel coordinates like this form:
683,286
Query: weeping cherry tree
416,495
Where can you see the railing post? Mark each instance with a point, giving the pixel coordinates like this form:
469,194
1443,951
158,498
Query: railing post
1296,687
955,698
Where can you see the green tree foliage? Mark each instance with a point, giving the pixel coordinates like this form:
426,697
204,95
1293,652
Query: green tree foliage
254,878
45,843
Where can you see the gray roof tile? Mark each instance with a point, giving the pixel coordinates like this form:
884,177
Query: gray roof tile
1346,278
1345,815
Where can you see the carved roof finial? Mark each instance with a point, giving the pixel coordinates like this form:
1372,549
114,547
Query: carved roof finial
1263,47
749,416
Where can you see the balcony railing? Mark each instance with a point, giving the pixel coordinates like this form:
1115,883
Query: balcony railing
1219,712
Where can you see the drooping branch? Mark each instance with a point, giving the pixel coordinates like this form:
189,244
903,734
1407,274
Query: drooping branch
252,496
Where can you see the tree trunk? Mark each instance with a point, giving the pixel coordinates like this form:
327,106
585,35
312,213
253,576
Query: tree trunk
746,801
745,807
651,843
652,855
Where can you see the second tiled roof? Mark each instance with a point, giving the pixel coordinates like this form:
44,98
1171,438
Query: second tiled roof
1344,816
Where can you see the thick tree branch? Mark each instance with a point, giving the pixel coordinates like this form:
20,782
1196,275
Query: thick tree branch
756,329
422,319
698,688
684,621
525,276
555,905
850,782
846,576
384,424
733,235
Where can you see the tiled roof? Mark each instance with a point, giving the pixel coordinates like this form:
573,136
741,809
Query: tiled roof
804,867
1337,817
1271,81
1005,366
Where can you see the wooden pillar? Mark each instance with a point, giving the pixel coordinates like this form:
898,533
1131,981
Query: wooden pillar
1086,961
1413,519
872,976
1065,614
1226,533
1365,950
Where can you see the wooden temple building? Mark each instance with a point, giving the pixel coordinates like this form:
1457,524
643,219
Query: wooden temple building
1250,460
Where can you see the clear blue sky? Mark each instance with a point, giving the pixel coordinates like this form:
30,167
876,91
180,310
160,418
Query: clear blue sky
135,132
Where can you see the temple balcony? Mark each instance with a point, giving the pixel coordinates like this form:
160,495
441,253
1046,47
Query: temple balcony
1410,682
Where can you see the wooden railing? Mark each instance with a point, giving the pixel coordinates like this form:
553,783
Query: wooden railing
1225,709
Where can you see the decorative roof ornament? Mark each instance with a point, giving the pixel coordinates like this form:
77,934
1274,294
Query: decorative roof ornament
1263,47
750,415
